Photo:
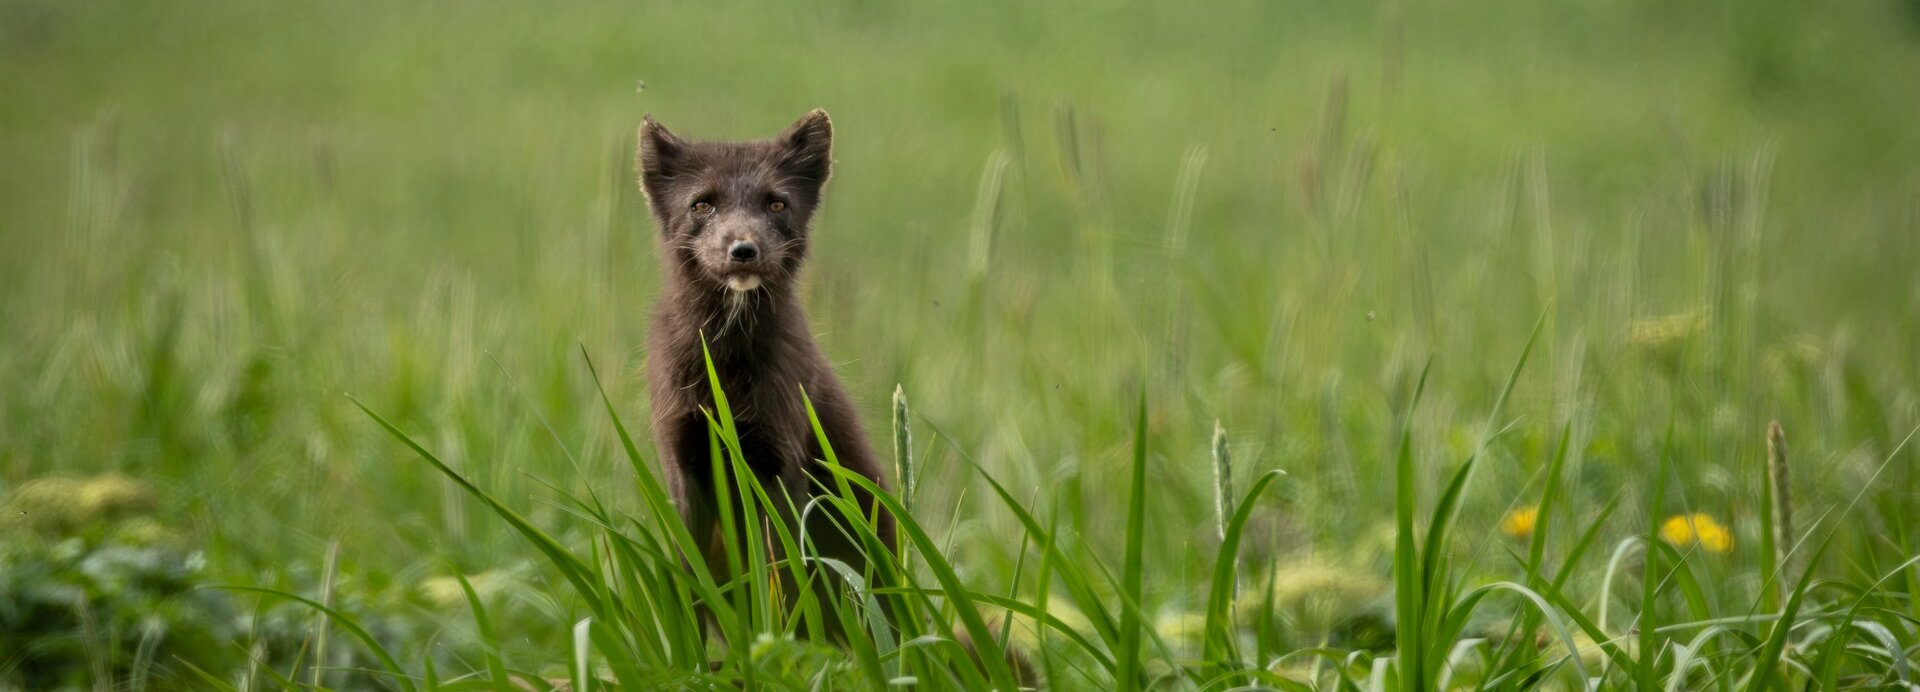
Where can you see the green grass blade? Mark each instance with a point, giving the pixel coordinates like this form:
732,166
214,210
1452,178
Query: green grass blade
867,650
1549,499
490,647
387,661
1048,621
1586,541
582,649
659,503
1408,605
1133,570
623,668
1447,512
1541,604
1072,575
1765,664
1220,648
935,562
576,572
1682,576
206,678
1647,622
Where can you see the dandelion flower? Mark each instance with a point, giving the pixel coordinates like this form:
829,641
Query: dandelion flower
1690,529
1519,522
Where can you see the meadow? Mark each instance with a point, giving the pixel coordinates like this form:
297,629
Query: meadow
1290,345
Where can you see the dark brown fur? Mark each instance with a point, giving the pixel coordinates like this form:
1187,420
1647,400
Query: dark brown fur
761,347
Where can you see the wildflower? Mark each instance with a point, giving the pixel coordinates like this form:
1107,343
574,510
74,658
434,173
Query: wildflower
1697,528
1519,522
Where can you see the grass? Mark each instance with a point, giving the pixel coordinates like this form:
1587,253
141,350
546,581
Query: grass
1231,338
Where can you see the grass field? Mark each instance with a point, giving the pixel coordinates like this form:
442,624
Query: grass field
1510,292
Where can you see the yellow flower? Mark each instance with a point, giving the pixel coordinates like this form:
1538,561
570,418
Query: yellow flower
1519,522
1697,528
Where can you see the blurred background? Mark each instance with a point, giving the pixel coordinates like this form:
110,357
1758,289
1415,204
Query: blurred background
218,219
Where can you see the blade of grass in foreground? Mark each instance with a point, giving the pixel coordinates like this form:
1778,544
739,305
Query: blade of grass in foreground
1457,619
490,647
667,517
1549,498
651,489
729,461
963,604
1406,558
1054,558
1132,572
387,661
1648,621
1551,589
576,572
1763,676
1523,647
1765,665
1448,510
1830,658
1220,649
1436,590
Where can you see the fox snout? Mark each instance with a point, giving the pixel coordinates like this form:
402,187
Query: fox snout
745,243
736,241
743,251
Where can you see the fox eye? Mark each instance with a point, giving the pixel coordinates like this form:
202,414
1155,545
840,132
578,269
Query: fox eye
776,206
702,208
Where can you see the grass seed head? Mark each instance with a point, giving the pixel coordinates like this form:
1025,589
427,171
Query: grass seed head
1222,479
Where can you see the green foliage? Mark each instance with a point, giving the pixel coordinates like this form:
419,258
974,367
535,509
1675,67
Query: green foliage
95,588
75,610
1267,217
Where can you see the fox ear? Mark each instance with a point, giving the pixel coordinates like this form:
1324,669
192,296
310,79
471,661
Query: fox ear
661,153
806,148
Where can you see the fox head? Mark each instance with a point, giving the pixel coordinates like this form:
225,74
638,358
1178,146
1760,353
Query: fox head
733,215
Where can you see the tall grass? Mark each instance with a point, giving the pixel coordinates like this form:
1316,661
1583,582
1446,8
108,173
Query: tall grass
1090,242
899,626
905,625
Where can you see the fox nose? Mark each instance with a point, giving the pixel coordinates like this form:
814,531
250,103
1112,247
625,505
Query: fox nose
743,251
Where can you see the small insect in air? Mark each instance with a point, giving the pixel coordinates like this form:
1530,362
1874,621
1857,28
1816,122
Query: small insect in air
639,86
1370,315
